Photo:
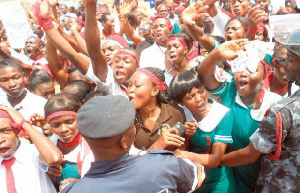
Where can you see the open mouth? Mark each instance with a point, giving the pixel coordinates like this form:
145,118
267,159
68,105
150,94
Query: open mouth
243,84
131,99
119,74
201,107
4,150
228,38
236,11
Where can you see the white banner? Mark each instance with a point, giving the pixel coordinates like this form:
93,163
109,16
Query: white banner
15,23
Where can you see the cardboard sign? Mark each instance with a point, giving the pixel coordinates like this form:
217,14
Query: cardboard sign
15,23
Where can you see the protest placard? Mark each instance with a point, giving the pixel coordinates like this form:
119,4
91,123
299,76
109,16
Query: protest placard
15,22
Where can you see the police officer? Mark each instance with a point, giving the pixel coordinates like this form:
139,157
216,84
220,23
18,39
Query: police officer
277,137
107,124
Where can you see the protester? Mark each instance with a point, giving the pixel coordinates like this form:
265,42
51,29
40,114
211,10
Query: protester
17,96
277,137
41,84
245,96
145,91
209,130
19,160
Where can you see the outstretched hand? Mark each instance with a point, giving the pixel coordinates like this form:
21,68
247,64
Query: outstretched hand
255,16
127,7
229,50
193,12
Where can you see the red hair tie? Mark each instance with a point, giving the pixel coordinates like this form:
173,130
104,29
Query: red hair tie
177,39
129,54
161,85
60,113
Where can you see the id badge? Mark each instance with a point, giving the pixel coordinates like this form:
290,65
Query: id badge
163,128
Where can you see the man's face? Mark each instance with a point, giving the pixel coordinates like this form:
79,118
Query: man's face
160,30
9,141
291,67
240,7
12,81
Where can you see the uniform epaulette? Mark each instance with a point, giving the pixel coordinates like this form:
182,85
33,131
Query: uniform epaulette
69,186
160,151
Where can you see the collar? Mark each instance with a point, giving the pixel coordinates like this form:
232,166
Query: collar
212,119
297,93
19,154
258,114
104,167
21,104
164,116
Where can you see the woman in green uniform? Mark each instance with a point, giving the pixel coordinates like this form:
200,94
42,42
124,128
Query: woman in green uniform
209,130
245,96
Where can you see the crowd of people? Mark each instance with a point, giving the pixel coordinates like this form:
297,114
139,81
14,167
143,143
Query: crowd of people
185,96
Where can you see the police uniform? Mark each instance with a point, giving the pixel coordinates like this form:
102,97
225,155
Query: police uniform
281,175
155,171
108,117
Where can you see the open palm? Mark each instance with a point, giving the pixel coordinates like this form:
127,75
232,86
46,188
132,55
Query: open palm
230,49
126,7
193,12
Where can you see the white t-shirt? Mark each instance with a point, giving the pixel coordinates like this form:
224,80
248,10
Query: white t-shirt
29,175
153,56
220,20
110,86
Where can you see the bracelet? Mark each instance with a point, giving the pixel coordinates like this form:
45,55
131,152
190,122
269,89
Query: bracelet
253,32
45,22
20,128
169,71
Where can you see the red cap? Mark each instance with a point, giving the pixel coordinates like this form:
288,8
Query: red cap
118,40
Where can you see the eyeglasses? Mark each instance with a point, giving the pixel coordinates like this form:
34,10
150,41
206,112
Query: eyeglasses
279,61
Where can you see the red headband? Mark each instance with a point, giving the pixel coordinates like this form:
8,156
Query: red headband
158,15
178,39
129,54
4,114
36,39
60,113
161,85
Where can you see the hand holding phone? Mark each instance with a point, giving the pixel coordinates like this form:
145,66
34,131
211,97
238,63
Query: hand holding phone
181,128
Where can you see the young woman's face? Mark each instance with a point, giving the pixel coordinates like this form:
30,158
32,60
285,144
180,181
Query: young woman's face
123,67
8,138
110,48
109,24
234,30
64,127
249,84
32,47
44,90
140,90
196,101
175,51
279,71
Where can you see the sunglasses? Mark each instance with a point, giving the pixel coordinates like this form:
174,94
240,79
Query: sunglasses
279,61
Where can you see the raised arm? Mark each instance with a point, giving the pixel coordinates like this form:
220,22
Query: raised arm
228,50
255,16
212,9
49,153
189,15
125,10
93,42
80,41
55,65
81,61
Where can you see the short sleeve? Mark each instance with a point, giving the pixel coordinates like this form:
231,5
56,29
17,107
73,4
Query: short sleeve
220,21
264,139
224,129
191,176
